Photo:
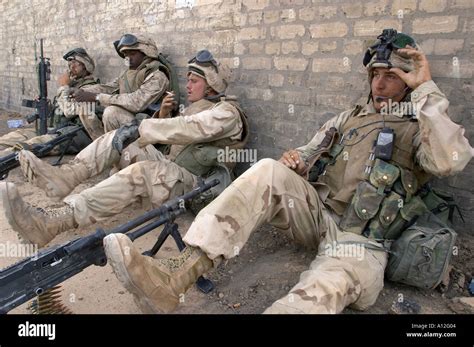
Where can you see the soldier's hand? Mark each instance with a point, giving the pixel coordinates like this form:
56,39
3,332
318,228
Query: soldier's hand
125,135
71,92
421,73
167,105
292,160
64,79
81,95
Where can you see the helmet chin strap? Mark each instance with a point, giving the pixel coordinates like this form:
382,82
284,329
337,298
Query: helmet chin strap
214,97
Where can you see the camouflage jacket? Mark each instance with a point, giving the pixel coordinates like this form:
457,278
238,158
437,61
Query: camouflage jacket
64,106
440,147
218,121
142,94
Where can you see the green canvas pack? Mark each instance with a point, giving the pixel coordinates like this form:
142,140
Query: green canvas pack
421,255
198,159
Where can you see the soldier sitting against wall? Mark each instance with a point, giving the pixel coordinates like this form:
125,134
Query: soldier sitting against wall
211,123
65,113
144,83
342,206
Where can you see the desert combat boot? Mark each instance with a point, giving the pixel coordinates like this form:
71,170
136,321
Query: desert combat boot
56,181
156,284
34,224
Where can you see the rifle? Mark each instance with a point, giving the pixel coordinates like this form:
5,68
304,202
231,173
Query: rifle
10,161
42,104
49,267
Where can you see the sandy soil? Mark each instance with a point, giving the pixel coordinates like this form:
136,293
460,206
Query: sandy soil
265,270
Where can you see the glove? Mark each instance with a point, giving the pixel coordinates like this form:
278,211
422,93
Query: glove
125,135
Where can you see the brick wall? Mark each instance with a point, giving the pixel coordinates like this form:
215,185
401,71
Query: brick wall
296,62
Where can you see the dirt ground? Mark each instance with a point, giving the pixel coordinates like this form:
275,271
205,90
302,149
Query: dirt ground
264,271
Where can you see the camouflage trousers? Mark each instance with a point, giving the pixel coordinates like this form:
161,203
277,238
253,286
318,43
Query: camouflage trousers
112,118
92,124
146,175
27,135
270,192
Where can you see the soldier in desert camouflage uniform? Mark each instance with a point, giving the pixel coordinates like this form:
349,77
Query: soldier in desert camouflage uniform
79,76
141,85
344,207
210,123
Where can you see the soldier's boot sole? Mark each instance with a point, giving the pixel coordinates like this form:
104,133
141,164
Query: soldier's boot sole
117,259
156,284
29,222
45,176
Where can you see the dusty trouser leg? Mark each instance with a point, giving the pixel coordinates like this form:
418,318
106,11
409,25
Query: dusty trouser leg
267,192
13,137
157,181
31,141
114,117
133,154
59,181
92,124
343,274
153,181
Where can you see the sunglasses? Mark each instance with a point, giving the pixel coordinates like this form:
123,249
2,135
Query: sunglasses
204,58
126,40
73,52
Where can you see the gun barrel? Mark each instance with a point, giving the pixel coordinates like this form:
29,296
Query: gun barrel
10,161
166,207
42,104
30,277
41,150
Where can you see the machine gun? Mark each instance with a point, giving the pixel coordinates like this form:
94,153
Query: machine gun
52,266
42,104
10,161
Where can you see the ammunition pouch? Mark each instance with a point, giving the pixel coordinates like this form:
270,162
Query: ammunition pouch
390,201
363,207
383,176
389,210
422,241
389,207
369,198
408,213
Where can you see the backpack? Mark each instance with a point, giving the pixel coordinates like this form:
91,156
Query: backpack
421,255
